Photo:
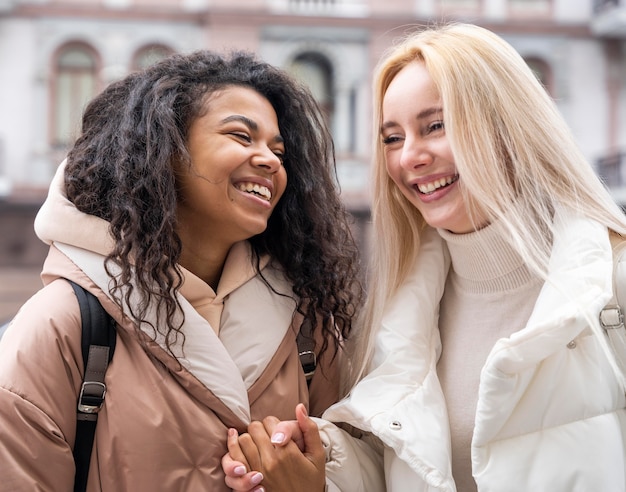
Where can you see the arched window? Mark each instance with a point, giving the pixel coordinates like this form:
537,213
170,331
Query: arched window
74,84
148,55
314,70
542,71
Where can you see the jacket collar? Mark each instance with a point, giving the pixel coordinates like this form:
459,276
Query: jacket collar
577,287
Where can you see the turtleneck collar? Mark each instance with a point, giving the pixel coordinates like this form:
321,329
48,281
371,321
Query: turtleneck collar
484,261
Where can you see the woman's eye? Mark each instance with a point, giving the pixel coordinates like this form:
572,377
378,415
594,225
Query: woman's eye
280,155
391,139
437,125
242,136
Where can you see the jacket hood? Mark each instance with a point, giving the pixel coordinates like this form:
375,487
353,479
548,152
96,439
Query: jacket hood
58,220
213,321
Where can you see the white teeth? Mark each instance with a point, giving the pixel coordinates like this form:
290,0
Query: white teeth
435,185
257,189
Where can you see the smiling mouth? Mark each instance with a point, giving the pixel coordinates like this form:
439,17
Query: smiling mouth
255,189
429,188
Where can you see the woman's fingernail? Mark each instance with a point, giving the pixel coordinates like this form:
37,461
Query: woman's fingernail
256,479
278,438
240,470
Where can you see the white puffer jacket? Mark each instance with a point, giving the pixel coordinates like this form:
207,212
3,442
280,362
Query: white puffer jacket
550,414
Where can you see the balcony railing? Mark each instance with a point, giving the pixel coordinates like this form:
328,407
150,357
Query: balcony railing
609,18
321,7
602,5
612,171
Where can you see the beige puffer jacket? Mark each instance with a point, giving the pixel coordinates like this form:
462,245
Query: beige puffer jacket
164,421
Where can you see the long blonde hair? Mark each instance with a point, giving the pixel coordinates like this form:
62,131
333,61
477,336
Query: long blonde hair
514,152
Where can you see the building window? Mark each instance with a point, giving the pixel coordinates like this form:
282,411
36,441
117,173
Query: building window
314,70
542,71
74,84
149,55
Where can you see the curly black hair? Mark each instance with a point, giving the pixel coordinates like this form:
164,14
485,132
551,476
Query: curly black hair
121,168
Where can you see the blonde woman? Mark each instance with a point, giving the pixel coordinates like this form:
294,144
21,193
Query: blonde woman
486,367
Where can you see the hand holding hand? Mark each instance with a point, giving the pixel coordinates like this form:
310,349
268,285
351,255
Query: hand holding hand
285,465
236,467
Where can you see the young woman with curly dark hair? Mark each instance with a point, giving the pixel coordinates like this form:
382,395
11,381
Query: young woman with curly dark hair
200,205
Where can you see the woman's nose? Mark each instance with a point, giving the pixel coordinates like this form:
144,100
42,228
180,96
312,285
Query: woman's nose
267,160
415,154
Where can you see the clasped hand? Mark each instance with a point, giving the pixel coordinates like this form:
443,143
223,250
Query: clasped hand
276,456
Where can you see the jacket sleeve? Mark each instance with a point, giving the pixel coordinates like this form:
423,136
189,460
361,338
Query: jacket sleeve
40,372
352,464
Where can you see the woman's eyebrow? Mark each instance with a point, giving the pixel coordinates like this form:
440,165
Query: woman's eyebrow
386,125
426,113
243,119
251,124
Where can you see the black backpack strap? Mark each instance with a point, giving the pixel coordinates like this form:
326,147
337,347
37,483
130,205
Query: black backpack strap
306,350
98,344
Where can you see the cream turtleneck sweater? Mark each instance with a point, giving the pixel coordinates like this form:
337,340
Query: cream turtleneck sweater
489,294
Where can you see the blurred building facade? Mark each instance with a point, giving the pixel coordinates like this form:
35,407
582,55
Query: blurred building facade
56,54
